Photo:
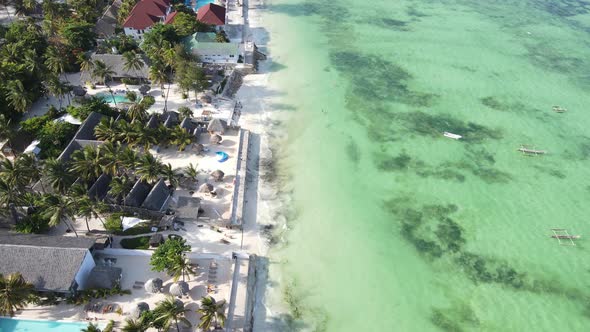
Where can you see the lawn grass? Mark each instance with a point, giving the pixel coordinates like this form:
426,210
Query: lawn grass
142,242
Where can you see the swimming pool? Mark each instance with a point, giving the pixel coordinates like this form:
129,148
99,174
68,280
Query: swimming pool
23,325
199,3
109,99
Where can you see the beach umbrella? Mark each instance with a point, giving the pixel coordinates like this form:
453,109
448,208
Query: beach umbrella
206,99
206,188
217,175
78,91
153,285
144,89
138,309
216,126
179,289
215,139
179,304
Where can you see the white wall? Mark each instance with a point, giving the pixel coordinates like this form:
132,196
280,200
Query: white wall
87,265
136,34
224,58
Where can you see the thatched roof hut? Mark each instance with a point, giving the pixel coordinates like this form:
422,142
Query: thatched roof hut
179,289
215,139
206,188
156,240
153,285
198,148
144,89
218,175
216,126
206,99
139,308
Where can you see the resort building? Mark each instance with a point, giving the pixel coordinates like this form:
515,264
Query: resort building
203,45
59,264
144,15
116,63
106,25
212,14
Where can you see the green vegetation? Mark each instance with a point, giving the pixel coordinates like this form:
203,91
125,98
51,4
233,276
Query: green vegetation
15,293
141,242
85,296
169,254
212,313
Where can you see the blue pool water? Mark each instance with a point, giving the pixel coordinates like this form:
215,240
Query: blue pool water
200,3
109,99
22,325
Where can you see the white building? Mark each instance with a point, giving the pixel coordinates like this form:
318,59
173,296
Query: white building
203,45
144,15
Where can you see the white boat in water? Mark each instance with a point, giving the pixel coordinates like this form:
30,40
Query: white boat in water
451,135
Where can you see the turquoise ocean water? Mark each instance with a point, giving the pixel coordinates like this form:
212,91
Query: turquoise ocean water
390,225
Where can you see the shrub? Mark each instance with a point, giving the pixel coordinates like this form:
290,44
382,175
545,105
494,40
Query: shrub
34,125
93,104
34,223
54,137
130,81
148,101
141,242
113,223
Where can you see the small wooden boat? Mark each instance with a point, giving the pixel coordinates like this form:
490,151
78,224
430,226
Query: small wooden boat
559,109
560,236
451,135
527,150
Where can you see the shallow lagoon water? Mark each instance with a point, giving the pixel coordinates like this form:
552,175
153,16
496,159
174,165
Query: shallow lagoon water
393,227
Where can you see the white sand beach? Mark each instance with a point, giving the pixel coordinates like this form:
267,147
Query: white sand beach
205,235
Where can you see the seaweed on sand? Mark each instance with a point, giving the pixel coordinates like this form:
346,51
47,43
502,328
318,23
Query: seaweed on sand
375,79
454,318
353,151
434,125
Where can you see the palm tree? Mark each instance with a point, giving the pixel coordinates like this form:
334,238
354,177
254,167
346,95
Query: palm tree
149,168
170,175
58,209
14,293
144,137
126,132
58,175
181,267
85,62
135,325
55,61
6,130
105,73
120,187
86,163
59,89
128,159
83,208
191,171
8,194
137,112
170,311
17,96
212,313
132,62
158,75
91,328
109,158
181,138
106,130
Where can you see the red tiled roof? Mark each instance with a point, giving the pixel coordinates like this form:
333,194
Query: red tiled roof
146,13
211,14
170,17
